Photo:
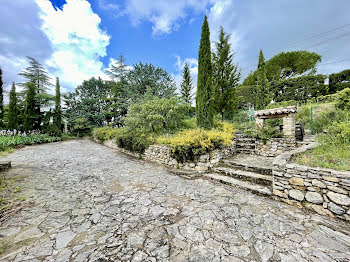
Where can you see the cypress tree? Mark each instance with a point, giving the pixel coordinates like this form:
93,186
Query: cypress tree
226,76
57,116
186,86
204,99
262,88
31,118
13,109
1,98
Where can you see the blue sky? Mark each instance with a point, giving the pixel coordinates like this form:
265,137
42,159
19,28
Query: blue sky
78,39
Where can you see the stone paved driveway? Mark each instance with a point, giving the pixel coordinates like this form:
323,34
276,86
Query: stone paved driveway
95,204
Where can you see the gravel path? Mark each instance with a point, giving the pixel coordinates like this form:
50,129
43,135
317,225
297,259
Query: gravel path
95,204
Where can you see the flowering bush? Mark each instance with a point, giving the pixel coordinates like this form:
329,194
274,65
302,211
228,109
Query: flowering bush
18,133
188,145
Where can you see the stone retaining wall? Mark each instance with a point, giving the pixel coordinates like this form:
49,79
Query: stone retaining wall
274,146
325,191
161,154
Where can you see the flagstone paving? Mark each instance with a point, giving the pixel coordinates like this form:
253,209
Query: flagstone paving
92,203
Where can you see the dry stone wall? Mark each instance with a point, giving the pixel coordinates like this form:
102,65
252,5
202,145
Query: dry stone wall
161,154
274,146
325,191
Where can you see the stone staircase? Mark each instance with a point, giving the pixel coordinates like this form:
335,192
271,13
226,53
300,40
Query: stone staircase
244,144
308,139
252,173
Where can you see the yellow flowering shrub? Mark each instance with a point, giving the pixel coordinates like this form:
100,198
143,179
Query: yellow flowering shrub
188,145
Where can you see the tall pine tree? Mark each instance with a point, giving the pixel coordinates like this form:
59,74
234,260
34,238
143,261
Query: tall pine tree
31,117
226,76
262,98
1,98
57,116
37,74
186,86
204,95
13,109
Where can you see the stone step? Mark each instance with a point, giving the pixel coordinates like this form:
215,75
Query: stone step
255,188
245,175
246,150
248,167
245,145
241,137
187,174
4,165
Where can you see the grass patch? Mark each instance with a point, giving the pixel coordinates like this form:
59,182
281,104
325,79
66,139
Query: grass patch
10,193
332,156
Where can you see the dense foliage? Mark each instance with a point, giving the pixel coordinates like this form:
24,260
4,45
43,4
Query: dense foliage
343,99
13,119
262,95
286,65
89,101
226,76
339,81
57,115
32,117
124,138
204,95
144,77
299,88
97,102
155,115
15,140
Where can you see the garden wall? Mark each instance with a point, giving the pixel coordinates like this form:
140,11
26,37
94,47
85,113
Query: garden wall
161,154
325,191
274,146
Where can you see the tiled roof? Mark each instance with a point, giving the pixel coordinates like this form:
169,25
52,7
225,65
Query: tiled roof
276,111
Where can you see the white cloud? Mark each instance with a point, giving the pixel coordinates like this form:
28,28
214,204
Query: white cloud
222,13
77,40
20,38
108,6
164,16
193,65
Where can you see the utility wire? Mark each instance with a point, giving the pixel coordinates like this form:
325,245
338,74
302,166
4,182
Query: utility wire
326,40
334,62
313,37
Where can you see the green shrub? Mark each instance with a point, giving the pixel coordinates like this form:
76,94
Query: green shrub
156,115
190,123
124,138
81,127
105,133
266,132
134,142
53,130
343,99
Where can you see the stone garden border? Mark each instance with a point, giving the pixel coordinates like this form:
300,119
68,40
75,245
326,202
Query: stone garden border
323,190
160,154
